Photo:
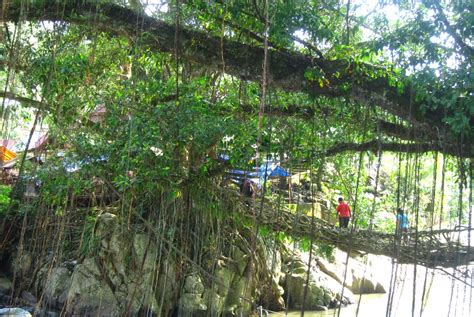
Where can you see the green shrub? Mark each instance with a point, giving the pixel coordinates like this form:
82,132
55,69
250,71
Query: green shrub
4,198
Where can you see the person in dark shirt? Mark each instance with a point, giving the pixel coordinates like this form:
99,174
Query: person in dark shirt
344,213
248,188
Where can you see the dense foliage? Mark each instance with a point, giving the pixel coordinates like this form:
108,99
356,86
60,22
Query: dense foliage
145,123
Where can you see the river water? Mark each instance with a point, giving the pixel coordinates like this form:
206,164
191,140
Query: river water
445,297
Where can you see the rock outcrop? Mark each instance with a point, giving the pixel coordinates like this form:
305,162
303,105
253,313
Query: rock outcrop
362,275
128,272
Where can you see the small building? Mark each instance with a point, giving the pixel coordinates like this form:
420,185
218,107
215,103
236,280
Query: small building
7,161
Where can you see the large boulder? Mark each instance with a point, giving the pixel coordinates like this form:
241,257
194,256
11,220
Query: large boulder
365,283
56,286
191,302
89,294
362,277
314,291
118,276
223,294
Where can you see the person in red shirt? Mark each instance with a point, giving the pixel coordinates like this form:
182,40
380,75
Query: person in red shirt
344,213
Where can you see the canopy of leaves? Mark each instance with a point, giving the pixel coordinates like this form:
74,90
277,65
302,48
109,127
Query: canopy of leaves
158,94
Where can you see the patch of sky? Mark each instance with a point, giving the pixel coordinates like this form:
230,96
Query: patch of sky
155,6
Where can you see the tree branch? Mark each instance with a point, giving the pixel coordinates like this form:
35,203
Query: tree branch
467,50
386,128
23,100
374,145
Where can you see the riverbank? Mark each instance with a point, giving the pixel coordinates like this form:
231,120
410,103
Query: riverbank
444,296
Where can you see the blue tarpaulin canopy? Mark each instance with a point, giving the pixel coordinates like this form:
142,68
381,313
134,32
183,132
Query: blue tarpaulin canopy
267,170
271,169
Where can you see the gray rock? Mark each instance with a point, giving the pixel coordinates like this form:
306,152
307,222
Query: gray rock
14,312
322,289
216,302
88,294
360,278
242,260
193,284
361,285
190,304
107,219
225,276
380,288
56,285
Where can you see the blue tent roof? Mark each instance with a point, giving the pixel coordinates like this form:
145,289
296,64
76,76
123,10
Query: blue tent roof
271,169
279,172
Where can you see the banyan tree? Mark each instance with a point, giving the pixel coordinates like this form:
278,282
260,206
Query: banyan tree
150,106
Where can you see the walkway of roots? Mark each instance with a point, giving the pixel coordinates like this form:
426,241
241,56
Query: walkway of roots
429,248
